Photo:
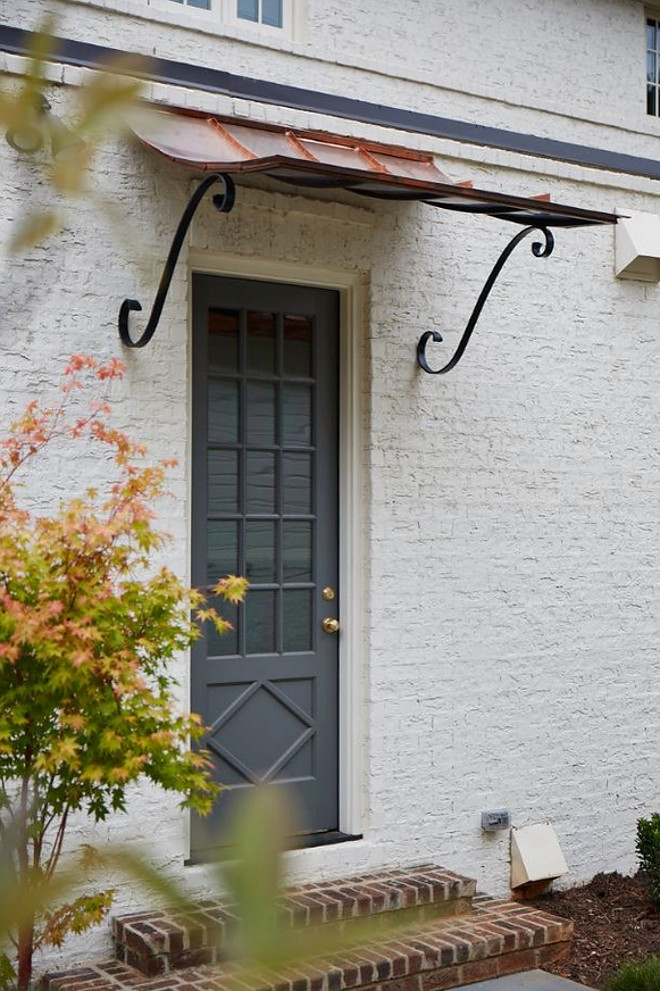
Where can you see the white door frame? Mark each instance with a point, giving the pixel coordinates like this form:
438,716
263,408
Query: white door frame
352,653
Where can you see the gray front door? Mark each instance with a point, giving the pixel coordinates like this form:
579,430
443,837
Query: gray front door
265,505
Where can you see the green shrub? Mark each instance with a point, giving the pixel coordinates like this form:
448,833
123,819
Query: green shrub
88,627
648,853
642,975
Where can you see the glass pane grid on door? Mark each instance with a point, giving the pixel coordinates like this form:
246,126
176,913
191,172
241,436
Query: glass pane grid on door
261,469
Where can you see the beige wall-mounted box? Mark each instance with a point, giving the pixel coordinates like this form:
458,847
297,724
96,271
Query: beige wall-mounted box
637,246
535,855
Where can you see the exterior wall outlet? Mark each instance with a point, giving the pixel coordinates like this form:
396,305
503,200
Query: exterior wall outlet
495,819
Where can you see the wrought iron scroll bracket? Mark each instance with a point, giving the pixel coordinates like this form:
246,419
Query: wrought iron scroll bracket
539,250
223,202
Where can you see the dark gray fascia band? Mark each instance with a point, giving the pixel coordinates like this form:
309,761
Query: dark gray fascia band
78,53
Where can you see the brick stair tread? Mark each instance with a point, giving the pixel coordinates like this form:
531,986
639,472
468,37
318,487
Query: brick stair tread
498,937
423,888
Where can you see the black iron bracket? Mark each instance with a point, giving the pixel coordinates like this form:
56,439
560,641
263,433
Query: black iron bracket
223,202
539,250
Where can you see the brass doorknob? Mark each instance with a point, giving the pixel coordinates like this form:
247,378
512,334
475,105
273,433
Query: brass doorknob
330,625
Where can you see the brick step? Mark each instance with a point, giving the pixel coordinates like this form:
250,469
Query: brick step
158,942
495,939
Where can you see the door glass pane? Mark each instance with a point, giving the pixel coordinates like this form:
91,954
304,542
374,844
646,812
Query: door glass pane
222,558
297,346
297,620
297,551
222,644
271,12
260,623
261,342
260,482
223,412
296,482
248,9
260,551
297,414
223,481
260,413
223,339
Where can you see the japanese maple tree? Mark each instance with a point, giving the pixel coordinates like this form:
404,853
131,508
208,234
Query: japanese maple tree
87,630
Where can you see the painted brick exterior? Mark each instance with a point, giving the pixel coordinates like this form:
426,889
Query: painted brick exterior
510,612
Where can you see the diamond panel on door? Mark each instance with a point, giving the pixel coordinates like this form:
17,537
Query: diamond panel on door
259,757
265,452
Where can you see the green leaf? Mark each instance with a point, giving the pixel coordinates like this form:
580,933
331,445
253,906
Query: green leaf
34,228
87,703
107,97
643,975
7,972
253,880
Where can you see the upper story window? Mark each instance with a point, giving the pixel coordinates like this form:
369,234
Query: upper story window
653,66
203,4
261,11
269,16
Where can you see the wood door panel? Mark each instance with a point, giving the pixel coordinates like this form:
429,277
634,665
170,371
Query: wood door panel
265,453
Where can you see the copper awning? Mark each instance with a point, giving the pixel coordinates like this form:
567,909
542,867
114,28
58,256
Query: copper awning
320,160
222,146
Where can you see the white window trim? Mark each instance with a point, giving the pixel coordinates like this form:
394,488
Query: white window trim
222,15
652,13
230,16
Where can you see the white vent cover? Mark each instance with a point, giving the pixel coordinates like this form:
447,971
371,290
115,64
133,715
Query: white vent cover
535,855
637,241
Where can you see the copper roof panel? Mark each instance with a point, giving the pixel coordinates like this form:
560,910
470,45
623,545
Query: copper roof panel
339,155
263,143
190,140
409,168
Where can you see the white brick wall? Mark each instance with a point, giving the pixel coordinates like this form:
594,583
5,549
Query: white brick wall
511,609
572,71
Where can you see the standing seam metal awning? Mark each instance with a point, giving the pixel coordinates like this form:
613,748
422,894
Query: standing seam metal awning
221,147
320,160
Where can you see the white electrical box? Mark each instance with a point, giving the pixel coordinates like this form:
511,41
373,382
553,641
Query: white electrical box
637,246
535,855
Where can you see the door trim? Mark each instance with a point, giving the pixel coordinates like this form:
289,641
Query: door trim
352,646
